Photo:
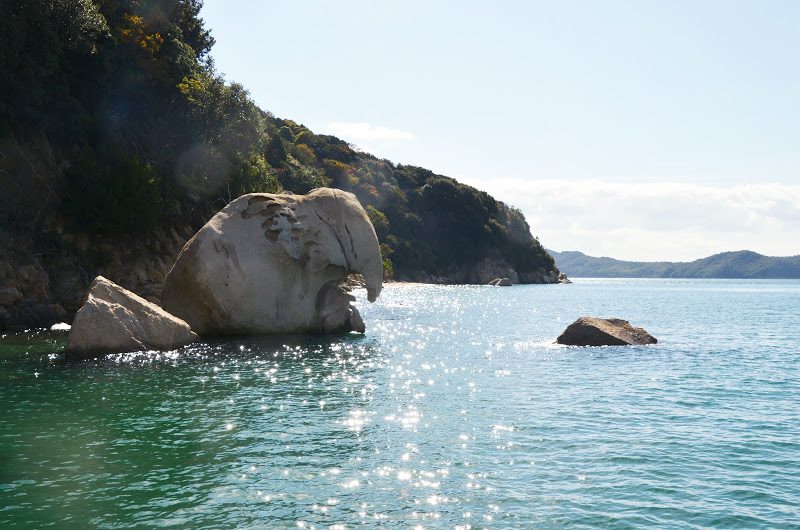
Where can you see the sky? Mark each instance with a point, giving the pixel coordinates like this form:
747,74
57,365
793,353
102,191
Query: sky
641,129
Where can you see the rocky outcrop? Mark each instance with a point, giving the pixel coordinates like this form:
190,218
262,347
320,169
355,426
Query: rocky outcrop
484,272
9,295
590,331
115,320
53,270
54,284
274,264
490,269
25,298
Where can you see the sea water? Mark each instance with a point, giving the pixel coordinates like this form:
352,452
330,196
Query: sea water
455,410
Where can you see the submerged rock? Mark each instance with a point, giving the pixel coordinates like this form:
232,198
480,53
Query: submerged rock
274,264
115,320
591,331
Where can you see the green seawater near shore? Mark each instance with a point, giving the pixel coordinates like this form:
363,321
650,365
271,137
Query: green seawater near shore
454,410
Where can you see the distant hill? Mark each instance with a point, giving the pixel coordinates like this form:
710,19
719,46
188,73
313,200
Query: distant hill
743,264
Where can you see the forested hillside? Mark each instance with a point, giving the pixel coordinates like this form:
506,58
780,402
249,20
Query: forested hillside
117,131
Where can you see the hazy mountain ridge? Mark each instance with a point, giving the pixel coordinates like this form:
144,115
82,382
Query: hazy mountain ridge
742,264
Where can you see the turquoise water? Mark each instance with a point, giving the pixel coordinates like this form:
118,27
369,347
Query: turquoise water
454,411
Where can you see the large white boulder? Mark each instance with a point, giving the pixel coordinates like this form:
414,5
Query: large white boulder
273,264
115,320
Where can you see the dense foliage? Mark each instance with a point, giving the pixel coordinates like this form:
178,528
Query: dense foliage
740,264
114,120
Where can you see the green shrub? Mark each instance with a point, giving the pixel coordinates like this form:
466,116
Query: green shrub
112,192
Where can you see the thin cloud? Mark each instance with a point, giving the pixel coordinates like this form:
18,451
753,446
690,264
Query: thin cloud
657,221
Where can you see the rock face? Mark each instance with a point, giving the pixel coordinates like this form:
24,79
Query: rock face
274,264
492,268
590,331
54,285
24,298
9,295
115,320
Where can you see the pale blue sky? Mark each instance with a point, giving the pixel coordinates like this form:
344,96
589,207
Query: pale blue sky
637,129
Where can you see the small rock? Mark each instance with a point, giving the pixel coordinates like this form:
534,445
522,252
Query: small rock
28,273
7,271
356,322
490,269
9,295
337,315
355,281
591,331
141,275
82,242
115,320
49,314
155,276
69,284
33,282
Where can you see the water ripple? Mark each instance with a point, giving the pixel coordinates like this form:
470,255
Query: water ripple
456,410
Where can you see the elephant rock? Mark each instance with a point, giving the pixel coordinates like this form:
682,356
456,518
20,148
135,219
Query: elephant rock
274,264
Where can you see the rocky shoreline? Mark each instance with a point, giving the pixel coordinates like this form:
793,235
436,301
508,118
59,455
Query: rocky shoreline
39,288
484,272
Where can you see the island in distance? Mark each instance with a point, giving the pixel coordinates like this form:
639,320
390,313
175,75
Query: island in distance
743,264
